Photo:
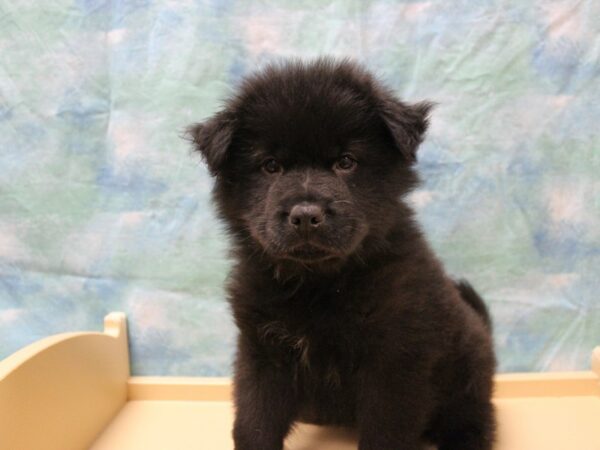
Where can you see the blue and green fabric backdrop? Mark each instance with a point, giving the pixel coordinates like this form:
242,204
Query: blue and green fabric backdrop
103,207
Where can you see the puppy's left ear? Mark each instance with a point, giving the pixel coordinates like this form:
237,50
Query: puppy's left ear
213,139
407,124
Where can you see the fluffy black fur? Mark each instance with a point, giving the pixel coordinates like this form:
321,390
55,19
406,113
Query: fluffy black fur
345,315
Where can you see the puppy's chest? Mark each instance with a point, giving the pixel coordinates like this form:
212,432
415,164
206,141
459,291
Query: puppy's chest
323,344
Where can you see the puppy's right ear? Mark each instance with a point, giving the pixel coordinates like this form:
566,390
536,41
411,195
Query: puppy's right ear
212,139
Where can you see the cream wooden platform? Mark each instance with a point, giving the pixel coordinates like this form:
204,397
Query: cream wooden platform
73,391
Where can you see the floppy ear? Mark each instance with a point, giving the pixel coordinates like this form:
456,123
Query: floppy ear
407,124
212,139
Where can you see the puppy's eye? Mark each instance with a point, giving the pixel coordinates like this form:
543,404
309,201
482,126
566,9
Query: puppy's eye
271,166
346,163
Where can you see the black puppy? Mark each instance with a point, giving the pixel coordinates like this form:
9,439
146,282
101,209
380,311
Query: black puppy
345,315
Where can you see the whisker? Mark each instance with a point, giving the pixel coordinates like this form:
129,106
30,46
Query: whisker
348,202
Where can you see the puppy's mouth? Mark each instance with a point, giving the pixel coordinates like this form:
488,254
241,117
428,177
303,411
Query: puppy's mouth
310,253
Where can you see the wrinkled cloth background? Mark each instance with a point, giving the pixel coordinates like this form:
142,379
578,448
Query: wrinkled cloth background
104,207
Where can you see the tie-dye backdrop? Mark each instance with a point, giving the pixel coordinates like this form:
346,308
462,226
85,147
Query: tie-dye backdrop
103,207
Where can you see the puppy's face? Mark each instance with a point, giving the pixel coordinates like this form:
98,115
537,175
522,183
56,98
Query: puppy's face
310,160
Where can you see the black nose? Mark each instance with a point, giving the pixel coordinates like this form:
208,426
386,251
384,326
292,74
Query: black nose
306,217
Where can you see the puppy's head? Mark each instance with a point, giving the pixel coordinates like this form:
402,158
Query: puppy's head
310,160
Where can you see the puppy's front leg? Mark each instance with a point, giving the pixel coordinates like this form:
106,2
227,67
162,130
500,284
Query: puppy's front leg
393,407
265,405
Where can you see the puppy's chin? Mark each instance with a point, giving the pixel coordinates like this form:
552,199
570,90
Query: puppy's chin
303,253
319,253
310,254
312,257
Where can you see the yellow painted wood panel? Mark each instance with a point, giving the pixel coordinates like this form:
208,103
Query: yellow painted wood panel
567,423
60,392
